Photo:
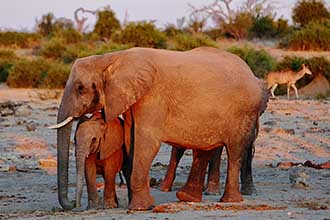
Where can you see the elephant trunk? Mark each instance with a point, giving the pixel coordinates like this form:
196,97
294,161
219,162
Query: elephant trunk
80,166
63,146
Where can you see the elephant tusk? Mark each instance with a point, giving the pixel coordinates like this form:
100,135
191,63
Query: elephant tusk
61,124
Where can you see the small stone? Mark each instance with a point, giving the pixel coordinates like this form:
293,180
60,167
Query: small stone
31,127
299,177
12,169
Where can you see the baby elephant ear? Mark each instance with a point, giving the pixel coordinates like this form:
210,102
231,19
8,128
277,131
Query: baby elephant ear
113,139
127,80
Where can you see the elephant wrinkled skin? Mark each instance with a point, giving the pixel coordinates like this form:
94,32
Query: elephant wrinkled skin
198,99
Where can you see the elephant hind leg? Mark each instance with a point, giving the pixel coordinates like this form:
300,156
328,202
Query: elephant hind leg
247,186
214,173
192,190
176,156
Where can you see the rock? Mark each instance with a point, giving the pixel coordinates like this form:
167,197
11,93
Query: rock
299,177
31,147
270,123
31,127
25,110
8,108
154,182
12,169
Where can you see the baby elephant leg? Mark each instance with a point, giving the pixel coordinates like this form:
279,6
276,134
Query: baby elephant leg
213,177
90,173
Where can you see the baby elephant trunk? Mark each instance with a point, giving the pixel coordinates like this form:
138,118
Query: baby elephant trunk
80,166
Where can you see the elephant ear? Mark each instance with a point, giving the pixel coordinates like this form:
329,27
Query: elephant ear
127,80
113,139
88,136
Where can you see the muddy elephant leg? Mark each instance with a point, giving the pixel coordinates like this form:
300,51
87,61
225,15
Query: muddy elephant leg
234,155
192,190
176,156
214,173
90,173
247,186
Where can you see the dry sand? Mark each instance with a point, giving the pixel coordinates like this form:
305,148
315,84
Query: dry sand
291,131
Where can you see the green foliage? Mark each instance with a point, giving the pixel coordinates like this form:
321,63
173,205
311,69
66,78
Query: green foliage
46,25
306,11
314,36
187,41
141,34
106,24
259,61
171,31
14,39
239,27
263,26
55,48
38,73
7,59
69,36
56,76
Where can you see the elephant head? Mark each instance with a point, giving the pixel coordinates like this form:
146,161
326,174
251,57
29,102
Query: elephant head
95,136
112,83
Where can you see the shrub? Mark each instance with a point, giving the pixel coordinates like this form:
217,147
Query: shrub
27,73
106,24
38,73
259,61
141,34
7,59
46,25
69,36
54,48
19,39
171,31
187,41
263,26
314,36
306,11
56,76
240,26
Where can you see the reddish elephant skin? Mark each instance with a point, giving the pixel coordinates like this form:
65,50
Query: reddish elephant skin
199,99
98,150
213,185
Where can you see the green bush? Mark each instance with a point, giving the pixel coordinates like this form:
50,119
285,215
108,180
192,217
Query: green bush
263,27
56,76
314,36
187,41
69,36
141,34
106,24
171,31
54,48
7,59
38,73
306,11
14,39
259,61
27,73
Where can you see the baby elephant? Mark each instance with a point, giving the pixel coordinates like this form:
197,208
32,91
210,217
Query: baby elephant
98,151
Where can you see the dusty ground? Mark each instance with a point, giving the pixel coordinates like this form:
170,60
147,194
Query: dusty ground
291,131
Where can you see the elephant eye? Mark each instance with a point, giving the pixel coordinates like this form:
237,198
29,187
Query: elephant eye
80,89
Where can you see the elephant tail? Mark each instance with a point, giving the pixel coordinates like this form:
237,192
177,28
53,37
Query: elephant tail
264,97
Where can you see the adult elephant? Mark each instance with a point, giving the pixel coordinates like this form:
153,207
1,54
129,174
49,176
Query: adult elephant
199,99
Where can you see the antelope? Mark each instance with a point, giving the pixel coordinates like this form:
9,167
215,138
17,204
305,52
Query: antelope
288,77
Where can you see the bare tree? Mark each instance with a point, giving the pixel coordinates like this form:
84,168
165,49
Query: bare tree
81,21
223,11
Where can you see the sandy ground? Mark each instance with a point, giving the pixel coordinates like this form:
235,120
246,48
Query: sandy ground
291,131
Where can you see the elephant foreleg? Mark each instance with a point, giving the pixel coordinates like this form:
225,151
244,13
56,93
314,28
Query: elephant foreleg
90,173
192,190
145,150
214,173
176,156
